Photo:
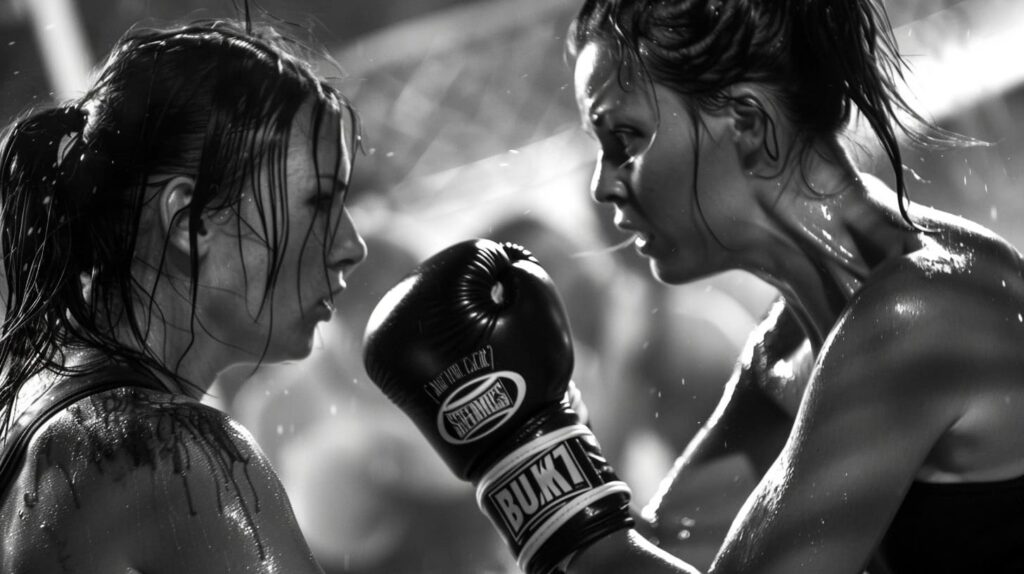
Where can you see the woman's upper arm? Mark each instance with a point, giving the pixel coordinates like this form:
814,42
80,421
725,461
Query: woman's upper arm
699,498
866,423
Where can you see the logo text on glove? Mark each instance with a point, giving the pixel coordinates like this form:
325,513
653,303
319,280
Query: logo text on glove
528,496
454,373
479,407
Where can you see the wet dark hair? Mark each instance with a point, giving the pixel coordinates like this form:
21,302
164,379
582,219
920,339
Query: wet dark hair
214,100
820,59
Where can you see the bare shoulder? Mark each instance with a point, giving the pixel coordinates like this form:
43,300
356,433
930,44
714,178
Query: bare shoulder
931,347
960,278
133,478
950,311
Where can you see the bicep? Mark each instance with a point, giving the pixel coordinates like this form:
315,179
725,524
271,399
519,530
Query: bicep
863,430
747,427
699,498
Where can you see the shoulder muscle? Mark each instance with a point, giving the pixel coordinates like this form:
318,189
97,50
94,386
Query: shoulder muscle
146,480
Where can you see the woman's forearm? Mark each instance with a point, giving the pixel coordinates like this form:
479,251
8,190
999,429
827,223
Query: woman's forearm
627,551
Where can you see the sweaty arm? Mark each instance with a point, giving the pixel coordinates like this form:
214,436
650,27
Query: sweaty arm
701,495
871,413
707,485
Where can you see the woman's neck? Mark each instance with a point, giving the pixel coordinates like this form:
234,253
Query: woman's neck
831,227
171,339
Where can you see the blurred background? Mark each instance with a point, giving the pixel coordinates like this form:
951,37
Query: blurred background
471,130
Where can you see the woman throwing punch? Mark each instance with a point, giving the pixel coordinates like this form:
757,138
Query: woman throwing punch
881,398
719,125
184,215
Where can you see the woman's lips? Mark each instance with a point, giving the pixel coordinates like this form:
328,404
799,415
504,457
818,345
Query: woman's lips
641,240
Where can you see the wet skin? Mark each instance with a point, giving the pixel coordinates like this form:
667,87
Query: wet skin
238,321
911,368
135,481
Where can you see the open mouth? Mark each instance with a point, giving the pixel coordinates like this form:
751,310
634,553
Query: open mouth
328,304
642,241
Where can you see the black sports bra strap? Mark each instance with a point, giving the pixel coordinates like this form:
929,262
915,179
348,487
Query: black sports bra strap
58,397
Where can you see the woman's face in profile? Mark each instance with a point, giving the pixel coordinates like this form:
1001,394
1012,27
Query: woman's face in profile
318,246
678,193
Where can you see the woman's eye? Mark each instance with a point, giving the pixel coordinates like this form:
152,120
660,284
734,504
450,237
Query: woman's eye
626,138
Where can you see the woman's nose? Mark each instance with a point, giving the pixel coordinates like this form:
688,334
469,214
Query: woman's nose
605,187
349,249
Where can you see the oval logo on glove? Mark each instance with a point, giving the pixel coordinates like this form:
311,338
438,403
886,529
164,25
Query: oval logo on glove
479,407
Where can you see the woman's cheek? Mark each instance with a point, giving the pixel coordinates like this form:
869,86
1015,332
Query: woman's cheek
636,174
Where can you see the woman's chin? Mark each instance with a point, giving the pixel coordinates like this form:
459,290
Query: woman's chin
666,273
292,350
677,273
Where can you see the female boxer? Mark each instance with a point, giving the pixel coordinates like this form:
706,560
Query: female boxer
881,399
185,214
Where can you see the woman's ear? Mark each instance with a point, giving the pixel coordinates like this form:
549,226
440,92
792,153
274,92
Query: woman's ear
754,129
175,198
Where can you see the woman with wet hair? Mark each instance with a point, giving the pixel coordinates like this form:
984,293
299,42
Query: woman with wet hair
879,402
184,215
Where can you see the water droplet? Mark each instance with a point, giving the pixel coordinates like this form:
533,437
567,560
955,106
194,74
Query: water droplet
683,534
994,213
334,410
280,429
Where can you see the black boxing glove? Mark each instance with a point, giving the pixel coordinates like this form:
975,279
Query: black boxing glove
474,345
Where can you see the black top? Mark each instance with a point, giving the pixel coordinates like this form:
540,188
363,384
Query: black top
962,528
55,399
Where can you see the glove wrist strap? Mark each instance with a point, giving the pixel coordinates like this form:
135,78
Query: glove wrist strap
543,485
